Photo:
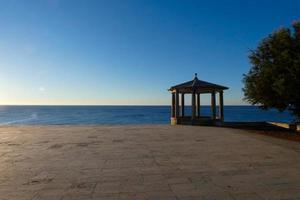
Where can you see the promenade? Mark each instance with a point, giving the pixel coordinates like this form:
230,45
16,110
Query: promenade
152,162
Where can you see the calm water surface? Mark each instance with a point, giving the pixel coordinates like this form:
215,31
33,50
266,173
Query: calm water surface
50,115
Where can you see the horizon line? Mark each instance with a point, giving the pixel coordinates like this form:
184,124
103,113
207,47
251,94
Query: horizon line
112,105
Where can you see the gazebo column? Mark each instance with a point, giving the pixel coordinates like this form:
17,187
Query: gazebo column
193,105
221,106
182,104
213,105
198,105
173,105
176,104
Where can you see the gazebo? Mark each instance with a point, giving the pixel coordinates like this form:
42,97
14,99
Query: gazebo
196,87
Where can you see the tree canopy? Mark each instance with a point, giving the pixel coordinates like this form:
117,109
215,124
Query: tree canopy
274,78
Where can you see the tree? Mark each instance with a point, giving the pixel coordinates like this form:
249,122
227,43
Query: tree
274,78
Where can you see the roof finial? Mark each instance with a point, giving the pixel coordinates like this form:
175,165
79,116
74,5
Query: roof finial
195,75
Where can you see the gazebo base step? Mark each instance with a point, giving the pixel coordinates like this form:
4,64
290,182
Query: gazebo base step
196,121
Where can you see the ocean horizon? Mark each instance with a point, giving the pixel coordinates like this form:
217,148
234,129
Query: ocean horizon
123,114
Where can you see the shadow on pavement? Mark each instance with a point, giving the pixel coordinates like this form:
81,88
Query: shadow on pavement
265,128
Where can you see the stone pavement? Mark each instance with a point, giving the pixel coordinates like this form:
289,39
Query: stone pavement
158,162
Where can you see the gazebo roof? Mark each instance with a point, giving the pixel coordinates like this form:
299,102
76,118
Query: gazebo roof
197,85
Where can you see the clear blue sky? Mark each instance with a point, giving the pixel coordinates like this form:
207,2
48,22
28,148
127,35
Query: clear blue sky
128,52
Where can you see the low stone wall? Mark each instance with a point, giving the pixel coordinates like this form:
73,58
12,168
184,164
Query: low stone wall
292,127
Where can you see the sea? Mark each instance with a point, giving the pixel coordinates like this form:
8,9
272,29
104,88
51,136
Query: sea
119,115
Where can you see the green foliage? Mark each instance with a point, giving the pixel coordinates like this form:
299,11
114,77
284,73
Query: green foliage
274,78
